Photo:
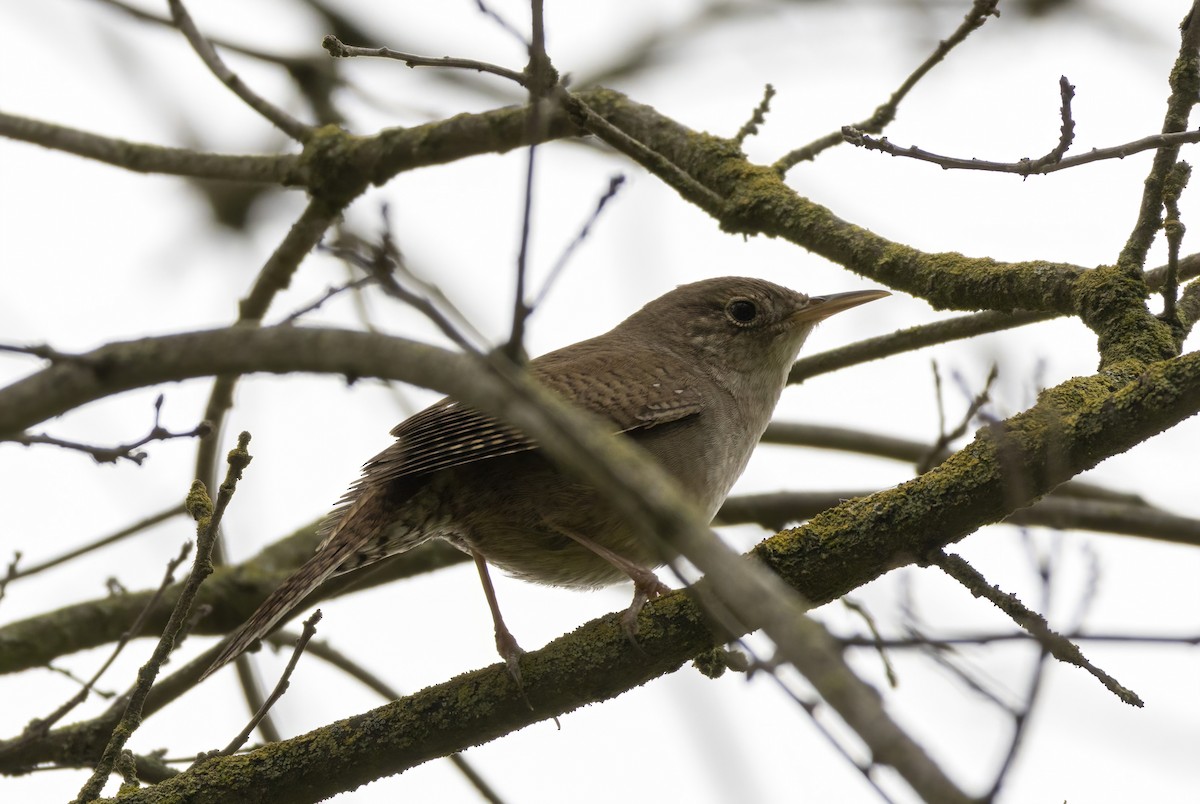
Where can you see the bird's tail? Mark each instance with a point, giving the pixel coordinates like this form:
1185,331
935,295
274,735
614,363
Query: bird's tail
357,525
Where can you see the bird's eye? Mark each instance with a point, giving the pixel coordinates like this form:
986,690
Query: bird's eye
741,311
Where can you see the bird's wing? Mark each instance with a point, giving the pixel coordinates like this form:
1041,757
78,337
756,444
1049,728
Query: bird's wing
633,392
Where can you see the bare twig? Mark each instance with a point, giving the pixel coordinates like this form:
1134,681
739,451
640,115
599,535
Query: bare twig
1021,167
664,168
204,49
326,296
40,727
944,643
41,350
104,541
907,340
810,708
886,113
757,118
950,329
614,184
120,451
383,260
1081,509
310,628
503,23
937,451
869,621
208,519
338,50
274,277
1060,647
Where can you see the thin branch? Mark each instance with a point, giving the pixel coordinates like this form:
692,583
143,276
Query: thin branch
121,451
40,727
289,125
614,185
1066,92
663,168
11,572
757,118
542,79
886,113
1021,719
329,293
383,260
1061,648
208,519
869,621
1185,91
291,63
104,541
503,23
950,329
338,50
940,447
810,708
1060,510
911,339
945,643
310,628
274,277
1021,167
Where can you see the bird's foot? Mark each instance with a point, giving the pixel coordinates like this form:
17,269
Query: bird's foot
646,587
510,652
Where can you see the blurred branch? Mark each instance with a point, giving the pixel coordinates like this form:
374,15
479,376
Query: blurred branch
906,450
777,510
289,125
145,158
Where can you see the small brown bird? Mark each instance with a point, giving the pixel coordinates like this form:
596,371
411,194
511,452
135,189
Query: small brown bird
693,377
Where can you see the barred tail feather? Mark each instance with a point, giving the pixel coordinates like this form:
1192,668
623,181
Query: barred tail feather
358,523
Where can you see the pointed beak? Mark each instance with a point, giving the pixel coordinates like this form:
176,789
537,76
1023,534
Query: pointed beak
821,307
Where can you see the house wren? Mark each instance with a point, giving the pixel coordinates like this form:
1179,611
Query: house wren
692,377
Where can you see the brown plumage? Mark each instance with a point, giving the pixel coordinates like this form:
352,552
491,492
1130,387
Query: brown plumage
692,377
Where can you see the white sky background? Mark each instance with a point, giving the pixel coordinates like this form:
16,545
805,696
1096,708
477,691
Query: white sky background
93,254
